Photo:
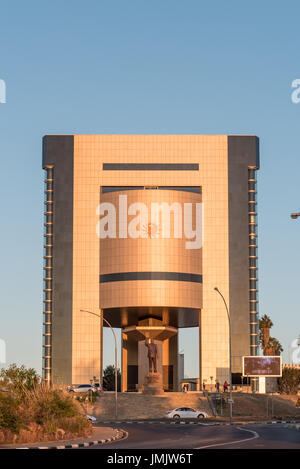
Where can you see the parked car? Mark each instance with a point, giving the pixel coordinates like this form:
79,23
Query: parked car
186,413
91,418
83,388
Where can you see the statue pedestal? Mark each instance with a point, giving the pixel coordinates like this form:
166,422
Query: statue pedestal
153,384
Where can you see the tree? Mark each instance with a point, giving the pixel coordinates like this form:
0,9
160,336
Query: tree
289,381
109,378
19,378
270,345
275,346
265,324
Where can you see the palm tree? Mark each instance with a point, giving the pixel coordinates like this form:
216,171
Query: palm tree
265,322
265,325
275,346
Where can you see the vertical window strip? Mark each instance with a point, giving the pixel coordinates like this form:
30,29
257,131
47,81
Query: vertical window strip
48,275
253,300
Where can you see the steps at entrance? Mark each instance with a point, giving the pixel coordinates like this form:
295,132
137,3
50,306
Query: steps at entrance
141,406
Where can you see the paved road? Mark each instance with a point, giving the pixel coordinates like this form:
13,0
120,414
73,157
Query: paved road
158,436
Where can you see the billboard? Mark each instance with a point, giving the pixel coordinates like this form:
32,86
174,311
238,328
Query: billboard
262,366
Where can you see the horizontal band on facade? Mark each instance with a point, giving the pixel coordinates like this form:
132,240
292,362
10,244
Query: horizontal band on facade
150,167
131,276
108,189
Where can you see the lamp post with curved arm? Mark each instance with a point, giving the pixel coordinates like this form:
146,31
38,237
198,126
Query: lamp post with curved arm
100,316
230,362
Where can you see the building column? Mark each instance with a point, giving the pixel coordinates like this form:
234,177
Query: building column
170,363
129,363
123,362
101,348
199,380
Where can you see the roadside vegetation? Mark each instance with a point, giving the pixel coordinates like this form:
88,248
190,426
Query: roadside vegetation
269,345
109,378
32,411
289,382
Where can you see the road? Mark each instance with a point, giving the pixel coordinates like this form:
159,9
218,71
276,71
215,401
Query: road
166,436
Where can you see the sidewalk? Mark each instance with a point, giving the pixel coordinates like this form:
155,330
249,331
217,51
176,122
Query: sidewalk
100,435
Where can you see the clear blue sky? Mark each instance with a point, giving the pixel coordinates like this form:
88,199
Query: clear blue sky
136,66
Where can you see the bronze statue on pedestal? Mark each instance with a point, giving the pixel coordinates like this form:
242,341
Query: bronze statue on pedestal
152,355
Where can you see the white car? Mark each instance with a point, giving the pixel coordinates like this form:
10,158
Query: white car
82,388
91,418
186,413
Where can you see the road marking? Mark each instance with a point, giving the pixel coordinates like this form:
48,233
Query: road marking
255,435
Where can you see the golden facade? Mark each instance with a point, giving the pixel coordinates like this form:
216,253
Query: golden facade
150,281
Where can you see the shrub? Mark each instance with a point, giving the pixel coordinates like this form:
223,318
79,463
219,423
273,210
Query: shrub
9,417
290,381
91,396
19,378
30,410
53,409
73,424
49,404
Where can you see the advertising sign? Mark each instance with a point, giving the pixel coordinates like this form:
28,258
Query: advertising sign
262,366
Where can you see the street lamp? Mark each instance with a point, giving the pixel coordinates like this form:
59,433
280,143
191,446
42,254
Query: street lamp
230,364
295,215
100,316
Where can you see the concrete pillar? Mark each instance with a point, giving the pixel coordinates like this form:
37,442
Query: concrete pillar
170,363
101,348
173,355
129,363
199,380
123,362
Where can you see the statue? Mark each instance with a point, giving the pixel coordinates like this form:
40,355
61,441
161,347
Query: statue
152,355
153,380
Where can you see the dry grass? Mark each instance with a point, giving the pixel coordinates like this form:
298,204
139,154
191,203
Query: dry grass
255,406
40,414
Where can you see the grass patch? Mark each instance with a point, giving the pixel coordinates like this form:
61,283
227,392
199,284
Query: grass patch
32,411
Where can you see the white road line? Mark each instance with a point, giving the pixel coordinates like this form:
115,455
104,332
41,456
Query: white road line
255,435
